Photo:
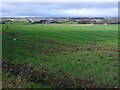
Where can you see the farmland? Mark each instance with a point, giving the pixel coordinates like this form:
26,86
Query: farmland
84,56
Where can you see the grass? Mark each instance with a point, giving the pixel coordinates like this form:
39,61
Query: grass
87,52
17,23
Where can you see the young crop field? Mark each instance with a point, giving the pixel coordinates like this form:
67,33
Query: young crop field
60,55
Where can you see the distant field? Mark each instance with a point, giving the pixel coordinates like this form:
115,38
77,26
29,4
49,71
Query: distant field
82,52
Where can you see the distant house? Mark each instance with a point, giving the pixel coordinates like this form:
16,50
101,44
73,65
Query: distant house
43,21
105,24
48,21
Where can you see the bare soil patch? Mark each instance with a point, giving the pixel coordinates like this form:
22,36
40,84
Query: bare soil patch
44,76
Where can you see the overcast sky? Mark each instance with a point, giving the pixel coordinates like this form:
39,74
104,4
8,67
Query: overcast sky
59,0
61,9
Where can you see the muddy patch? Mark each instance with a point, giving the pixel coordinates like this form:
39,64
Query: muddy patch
44,76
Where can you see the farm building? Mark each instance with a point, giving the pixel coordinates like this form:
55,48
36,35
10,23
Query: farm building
48,21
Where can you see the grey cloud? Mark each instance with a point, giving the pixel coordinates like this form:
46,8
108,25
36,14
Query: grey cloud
57,9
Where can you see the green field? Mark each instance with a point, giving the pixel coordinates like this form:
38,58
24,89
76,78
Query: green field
85,52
